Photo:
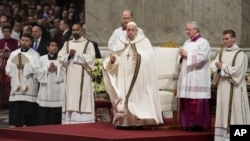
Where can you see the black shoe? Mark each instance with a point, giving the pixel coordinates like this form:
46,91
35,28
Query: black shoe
196,128
129,127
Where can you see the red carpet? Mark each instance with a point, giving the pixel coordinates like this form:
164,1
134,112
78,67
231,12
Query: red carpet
101,131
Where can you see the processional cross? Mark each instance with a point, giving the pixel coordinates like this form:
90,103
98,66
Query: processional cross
20,60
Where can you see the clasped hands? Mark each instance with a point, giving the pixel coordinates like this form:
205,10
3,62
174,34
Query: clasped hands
183,53
52,67
219,65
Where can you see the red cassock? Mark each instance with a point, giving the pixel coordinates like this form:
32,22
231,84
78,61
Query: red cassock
6,47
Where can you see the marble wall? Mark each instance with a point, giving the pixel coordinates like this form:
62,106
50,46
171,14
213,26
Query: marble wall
162,20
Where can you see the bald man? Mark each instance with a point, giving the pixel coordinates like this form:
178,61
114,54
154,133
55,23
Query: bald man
40,43
78,57
134,90
127,16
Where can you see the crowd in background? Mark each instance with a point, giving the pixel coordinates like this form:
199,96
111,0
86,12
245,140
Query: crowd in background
48,16
44,21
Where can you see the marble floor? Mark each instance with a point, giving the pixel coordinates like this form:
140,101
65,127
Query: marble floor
4,118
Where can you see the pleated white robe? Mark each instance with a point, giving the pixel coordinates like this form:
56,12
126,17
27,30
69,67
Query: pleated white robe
26,78
194,79
51,88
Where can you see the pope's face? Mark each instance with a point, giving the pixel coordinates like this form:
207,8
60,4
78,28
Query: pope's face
131,31
191,32
228,40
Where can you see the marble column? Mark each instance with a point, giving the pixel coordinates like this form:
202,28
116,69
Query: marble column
162,20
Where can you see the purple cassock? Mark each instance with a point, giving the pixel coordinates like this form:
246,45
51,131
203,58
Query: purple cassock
194,112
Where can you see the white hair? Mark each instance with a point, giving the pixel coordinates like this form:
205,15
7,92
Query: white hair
194,24
132,23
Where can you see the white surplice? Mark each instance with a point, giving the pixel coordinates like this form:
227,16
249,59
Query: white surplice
25,78
240,113
142,105
51,88
117,34
78,103
195,78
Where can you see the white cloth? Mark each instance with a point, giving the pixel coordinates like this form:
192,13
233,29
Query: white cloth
240,113
195,78
117,34
143,102
51,89
76,117
79,97
25,78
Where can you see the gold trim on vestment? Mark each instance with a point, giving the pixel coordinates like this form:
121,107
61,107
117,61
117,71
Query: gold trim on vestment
82,78
231,95
20,67
137,67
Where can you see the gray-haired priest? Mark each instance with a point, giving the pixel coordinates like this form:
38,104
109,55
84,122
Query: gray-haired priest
131,81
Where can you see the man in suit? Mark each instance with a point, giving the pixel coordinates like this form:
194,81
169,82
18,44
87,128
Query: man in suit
65,29
39,44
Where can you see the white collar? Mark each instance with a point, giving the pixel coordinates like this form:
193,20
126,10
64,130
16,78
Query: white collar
234,47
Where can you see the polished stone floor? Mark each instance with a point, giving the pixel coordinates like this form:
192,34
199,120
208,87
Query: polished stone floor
4,118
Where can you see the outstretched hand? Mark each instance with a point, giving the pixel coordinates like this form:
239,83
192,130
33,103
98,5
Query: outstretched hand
112,58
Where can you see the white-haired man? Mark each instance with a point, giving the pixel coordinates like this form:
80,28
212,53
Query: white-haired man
134,89
194,80
127,16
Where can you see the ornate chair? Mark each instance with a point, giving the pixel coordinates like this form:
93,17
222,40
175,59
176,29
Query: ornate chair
168,73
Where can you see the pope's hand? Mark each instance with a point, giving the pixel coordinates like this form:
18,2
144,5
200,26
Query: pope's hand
112,58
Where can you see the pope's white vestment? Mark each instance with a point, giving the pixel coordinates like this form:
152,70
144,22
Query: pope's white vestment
132,83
